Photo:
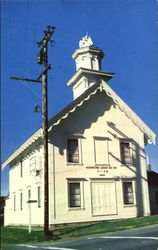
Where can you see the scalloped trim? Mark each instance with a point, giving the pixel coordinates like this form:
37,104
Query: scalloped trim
117,100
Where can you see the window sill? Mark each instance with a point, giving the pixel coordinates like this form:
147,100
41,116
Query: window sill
76,208
127,164
73,163
102,165
129,205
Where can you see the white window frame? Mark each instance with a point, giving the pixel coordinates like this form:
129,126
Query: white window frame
81,182
134,198
106,139
130,151
78,138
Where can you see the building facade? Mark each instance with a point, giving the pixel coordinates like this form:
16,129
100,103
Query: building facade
153,191
97,162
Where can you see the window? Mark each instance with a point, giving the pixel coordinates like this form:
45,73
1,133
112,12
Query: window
21,201
93,63
37,172
101,150
128,192
21,169
33,163
39,196
14,202
74,194
72,151
29,194
125,152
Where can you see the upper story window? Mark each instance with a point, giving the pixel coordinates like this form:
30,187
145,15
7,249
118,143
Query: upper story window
33,163
128,192
125,152
101,150
73,150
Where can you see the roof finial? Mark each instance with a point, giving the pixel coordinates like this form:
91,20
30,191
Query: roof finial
86,41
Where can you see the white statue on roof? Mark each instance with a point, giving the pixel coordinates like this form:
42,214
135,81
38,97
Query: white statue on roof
86,41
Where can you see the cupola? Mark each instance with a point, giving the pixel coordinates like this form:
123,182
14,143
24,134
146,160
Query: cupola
88,56
88,67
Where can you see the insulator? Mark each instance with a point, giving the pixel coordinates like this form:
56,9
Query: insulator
40,57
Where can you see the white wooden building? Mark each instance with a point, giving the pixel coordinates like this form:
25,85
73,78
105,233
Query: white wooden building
97,162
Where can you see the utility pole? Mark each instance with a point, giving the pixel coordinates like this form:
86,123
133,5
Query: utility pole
43,59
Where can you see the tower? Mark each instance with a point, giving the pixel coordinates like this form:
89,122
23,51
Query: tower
88,56
88,67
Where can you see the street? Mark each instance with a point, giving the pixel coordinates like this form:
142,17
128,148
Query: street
145,238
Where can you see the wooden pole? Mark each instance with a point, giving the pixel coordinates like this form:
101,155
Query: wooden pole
45,139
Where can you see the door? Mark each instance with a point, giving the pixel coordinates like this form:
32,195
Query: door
103,197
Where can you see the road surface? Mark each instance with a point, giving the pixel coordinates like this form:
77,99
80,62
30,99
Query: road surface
145,238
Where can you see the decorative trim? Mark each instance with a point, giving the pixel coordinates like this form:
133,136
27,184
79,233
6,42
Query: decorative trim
102,87
38,134
129,112
74,108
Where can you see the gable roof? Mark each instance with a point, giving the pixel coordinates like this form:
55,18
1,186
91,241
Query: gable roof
54,121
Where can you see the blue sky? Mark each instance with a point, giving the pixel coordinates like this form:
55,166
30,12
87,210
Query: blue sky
126,30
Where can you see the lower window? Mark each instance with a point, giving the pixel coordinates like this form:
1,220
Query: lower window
74,194
128,192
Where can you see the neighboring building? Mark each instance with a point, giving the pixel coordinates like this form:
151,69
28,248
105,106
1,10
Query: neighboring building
2,205
97,165
153,191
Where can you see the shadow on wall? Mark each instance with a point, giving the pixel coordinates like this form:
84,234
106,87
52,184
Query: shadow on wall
137,154
80,120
